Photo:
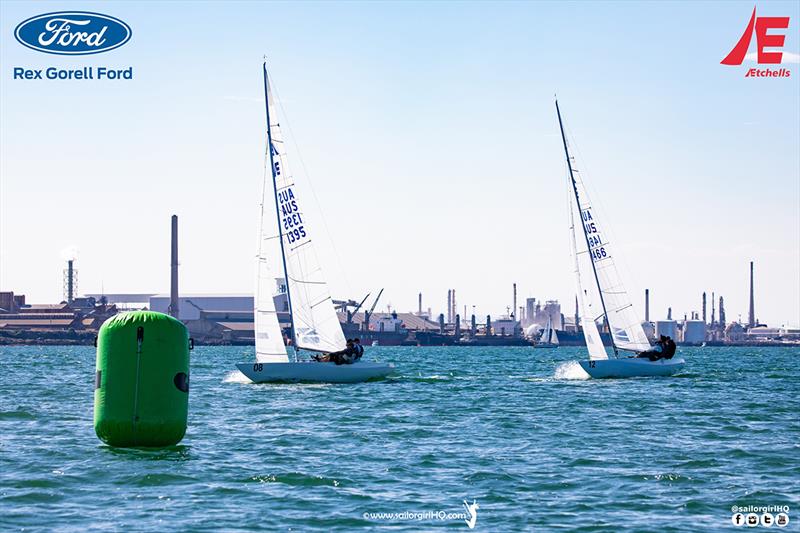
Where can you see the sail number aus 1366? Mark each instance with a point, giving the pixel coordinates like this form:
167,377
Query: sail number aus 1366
596,248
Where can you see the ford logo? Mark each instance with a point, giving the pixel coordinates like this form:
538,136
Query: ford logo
72,33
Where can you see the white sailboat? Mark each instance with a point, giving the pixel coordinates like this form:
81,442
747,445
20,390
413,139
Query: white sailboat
594,256
315,326
549,338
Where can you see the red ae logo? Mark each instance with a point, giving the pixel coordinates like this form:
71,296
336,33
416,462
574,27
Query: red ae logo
763,39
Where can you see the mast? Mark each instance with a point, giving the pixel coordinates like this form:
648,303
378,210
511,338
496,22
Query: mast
585,236
277,214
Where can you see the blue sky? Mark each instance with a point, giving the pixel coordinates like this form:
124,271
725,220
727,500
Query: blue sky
430,139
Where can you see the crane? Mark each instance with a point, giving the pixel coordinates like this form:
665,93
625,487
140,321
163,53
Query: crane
362,303
367,314
371,309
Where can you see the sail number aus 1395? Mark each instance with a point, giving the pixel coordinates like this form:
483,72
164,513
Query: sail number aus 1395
291,218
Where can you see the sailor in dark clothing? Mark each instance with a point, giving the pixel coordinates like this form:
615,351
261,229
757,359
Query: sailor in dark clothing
669,348
359,349
658,351
342,357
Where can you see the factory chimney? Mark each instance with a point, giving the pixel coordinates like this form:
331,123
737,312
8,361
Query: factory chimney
173,285
453,303
669,313
514,307
713,309
704,307
646,305
577,315
419,305
751,321
70,281
721,312
449,305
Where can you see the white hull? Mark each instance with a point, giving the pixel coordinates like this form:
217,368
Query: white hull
312,371
632,367
545,345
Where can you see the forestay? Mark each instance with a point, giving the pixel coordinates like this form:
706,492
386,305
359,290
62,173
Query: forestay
270,347
316,326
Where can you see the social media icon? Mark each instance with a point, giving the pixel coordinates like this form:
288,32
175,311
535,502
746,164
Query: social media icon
767,520
738,519
782,520
752,520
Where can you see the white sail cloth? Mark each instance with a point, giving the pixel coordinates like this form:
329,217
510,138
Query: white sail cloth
588,312
626,327
316,325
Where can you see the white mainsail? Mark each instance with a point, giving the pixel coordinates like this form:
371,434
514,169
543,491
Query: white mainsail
626,328
316,325
547,332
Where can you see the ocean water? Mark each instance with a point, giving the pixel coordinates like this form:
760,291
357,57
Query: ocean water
514,429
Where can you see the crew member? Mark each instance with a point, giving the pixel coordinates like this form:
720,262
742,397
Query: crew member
669,348
342,357
359,349
656,352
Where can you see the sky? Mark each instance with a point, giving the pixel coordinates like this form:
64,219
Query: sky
427,134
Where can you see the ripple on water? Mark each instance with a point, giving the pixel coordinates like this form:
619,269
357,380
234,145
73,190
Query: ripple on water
526,435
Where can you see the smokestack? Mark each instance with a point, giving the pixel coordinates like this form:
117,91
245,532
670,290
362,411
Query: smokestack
173,286
514,307
713,309
70,282
577,315
646,305
449,306
751,322
704,307
721,312
419,305
453,303
669,313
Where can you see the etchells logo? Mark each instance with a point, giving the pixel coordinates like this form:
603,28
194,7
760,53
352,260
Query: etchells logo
72,33
761,26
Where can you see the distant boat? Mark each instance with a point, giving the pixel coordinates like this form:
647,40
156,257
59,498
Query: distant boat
549,338
315,326
594,256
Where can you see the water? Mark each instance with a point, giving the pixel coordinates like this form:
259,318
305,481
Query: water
508,427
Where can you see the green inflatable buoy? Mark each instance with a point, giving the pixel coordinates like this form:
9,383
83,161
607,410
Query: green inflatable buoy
141,395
